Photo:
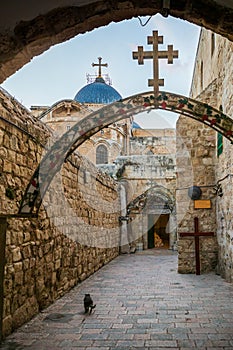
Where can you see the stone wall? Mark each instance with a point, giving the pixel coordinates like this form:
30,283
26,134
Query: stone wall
216,54
195,150
212,83
224,163
151,165
196,158
64,114
76,234
152,160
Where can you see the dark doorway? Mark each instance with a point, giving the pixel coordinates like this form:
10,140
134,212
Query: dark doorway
157,235
150,233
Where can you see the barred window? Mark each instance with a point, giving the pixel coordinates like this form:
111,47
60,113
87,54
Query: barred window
101,155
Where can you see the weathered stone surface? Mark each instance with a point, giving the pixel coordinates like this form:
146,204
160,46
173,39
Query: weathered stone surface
25,312
46,257
212,83
16,254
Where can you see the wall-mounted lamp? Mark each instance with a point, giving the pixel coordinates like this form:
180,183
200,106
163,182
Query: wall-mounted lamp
194,192
165,8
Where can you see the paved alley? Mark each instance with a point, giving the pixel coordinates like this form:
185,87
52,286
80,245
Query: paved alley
142,303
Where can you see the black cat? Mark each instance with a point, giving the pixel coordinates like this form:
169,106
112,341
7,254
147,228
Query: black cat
88,303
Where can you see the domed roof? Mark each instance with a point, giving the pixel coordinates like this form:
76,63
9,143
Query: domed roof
135,125
97,92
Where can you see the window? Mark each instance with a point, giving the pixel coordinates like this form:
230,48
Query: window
219,144
101,155
67,127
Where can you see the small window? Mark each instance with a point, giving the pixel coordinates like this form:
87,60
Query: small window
67,127
101,155
219,144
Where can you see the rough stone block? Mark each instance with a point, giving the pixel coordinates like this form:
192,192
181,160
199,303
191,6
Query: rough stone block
7,325
16,254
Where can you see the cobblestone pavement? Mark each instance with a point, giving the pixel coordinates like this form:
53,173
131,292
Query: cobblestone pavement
142,303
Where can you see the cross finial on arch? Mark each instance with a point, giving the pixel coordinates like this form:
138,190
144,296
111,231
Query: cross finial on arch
155,54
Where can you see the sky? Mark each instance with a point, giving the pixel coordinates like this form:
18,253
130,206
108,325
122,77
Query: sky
60,72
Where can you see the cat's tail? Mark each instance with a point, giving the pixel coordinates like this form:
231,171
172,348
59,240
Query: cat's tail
92,307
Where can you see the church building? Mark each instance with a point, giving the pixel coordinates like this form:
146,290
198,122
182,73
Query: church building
143,160
106,145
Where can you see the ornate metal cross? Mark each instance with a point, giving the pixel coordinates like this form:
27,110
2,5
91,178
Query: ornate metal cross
99,65
155,54
196,234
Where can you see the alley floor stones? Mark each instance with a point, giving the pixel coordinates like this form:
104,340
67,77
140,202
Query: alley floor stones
142,303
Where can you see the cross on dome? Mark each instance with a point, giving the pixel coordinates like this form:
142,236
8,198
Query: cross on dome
99,65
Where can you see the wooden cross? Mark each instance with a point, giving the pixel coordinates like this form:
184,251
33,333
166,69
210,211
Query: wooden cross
99,65
196,234
140,55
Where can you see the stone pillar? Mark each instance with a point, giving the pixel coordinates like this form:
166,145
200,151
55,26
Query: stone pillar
172,228
124,239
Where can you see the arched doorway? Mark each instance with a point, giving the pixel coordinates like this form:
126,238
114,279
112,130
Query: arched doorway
158,211
152,216
158,235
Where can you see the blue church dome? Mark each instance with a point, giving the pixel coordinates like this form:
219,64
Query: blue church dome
97,92
135,125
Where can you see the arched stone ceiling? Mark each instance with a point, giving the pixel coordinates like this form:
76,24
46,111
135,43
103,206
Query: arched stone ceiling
29,28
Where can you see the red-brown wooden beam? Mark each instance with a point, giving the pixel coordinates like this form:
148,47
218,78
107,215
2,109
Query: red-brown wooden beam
196,234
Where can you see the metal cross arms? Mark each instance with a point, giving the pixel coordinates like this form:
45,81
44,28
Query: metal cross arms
99,65
155,54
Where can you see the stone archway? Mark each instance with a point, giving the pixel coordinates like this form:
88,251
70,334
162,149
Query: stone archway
152,218
31,29
81,131
139,203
